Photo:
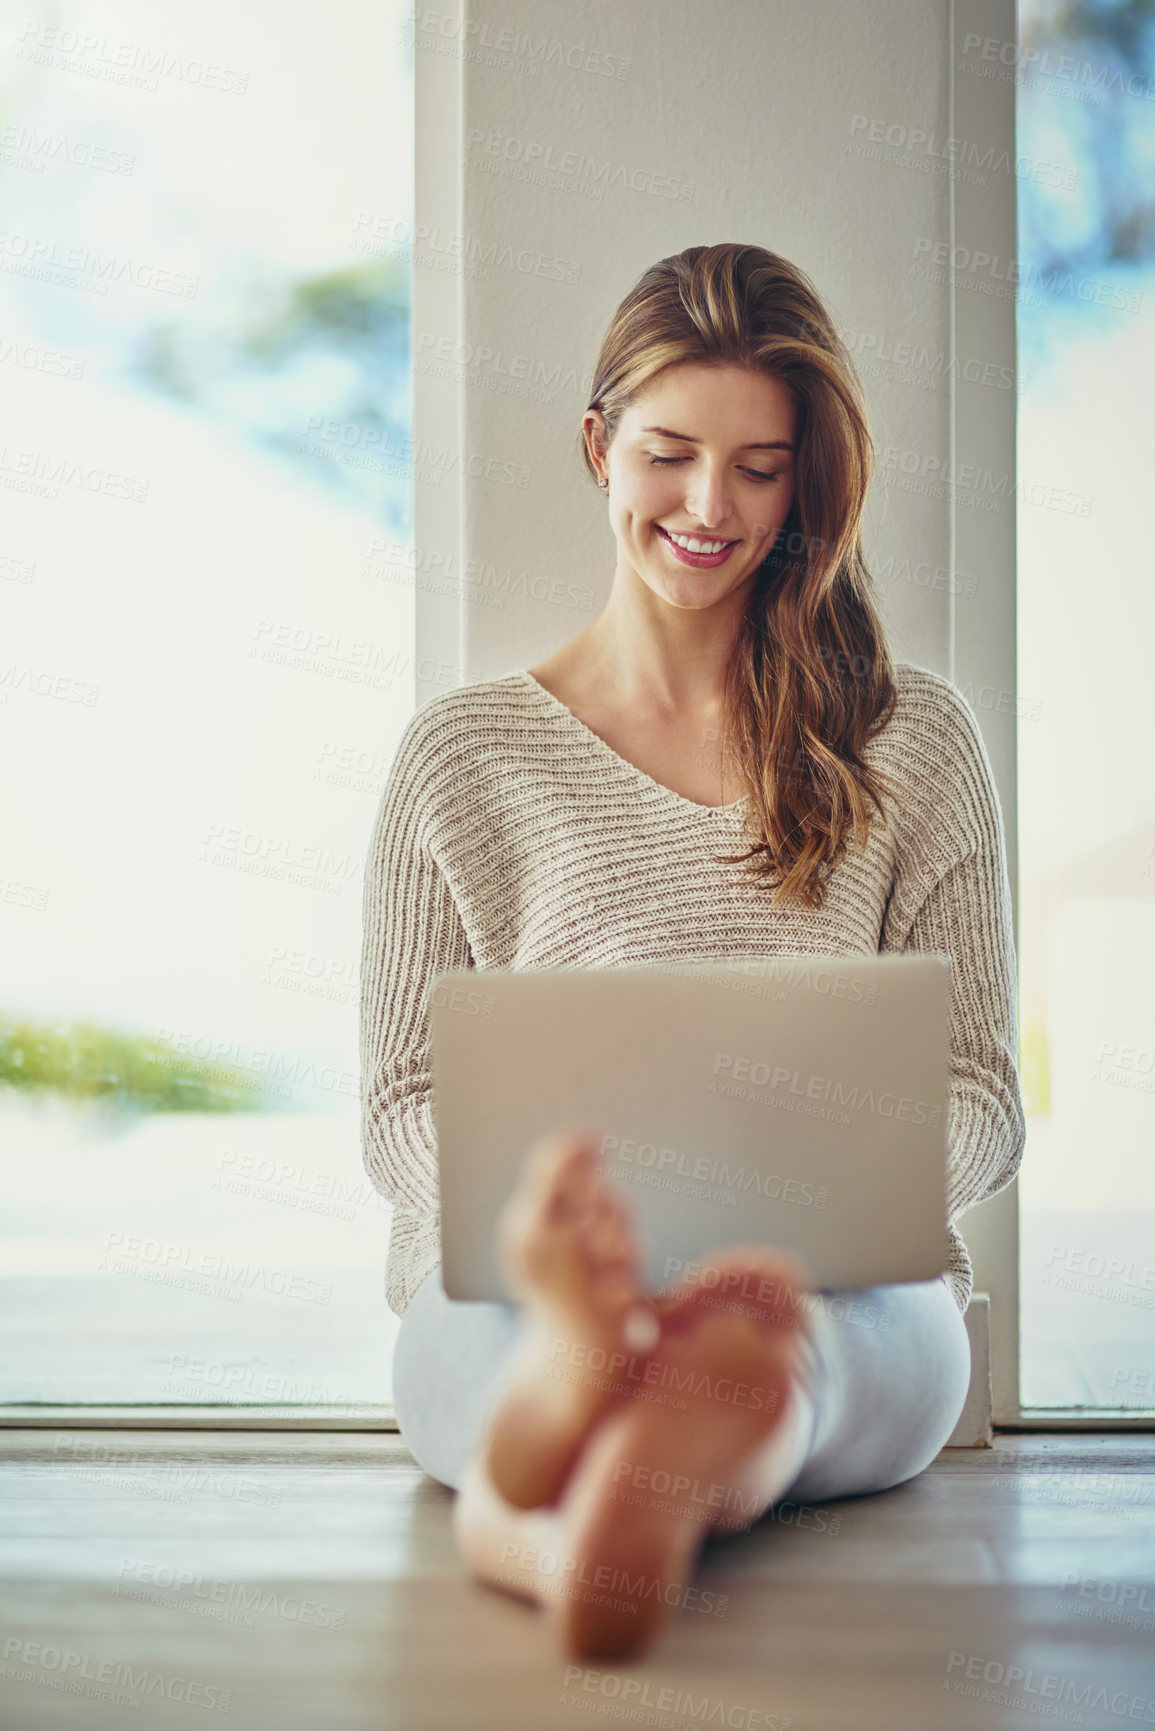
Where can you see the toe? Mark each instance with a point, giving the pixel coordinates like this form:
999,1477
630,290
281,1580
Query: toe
608,1234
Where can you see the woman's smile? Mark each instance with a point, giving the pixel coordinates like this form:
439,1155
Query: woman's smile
699,559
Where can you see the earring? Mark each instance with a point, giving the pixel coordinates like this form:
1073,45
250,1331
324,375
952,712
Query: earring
604,482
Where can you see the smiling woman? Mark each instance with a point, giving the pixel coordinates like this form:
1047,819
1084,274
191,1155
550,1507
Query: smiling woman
565,816
724,487
728,426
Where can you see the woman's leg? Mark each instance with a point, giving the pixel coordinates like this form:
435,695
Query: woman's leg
895,1364
887,1375
447,1373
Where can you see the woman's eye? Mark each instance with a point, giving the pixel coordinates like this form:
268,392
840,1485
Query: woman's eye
755,474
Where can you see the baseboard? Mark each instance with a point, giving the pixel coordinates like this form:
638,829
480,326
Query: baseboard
975,1428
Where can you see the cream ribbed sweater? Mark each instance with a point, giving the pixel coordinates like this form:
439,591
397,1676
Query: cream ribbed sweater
510,835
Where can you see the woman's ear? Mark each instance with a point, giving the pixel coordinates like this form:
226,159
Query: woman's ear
594,429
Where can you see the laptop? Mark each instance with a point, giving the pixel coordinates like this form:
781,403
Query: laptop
793,1100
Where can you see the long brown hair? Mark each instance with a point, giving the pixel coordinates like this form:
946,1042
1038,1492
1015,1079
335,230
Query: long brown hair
811,678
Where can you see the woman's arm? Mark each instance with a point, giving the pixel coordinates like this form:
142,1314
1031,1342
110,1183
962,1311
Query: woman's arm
967,915
411,928
954,896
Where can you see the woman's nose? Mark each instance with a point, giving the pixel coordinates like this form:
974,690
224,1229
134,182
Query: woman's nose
708,500
707,497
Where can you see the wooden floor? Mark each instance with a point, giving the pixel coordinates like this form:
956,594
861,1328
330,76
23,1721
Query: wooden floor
290,1580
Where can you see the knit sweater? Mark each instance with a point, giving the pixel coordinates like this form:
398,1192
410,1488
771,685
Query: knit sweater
510,835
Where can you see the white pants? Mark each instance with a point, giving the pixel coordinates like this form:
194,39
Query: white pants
886,1380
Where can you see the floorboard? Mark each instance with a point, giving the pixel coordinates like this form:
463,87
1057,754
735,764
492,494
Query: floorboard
299,1580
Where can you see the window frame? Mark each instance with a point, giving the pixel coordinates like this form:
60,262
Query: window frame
171,1416
983,630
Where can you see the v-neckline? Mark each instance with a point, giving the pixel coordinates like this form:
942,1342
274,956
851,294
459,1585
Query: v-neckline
624,762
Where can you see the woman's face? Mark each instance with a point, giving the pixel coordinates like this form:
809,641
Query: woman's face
705,452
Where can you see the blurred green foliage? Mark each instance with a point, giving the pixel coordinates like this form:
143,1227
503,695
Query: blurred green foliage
1035,1068
315,369
85,1062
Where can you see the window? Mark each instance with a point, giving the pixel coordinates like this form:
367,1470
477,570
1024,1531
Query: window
1086,621
205,278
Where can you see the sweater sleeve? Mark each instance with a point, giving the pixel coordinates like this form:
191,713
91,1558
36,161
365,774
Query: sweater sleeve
954,896
411,928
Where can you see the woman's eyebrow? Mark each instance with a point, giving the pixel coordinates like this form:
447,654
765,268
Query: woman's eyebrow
765,445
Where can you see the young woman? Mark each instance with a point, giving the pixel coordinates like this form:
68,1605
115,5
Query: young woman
727,761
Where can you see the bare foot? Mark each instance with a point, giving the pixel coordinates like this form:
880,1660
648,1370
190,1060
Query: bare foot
569,1253
661,1471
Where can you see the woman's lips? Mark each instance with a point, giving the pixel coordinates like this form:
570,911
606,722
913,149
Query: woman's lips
700,560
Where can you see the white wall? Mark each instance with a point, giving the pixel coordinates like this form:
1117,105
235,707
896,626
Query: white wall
757,111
